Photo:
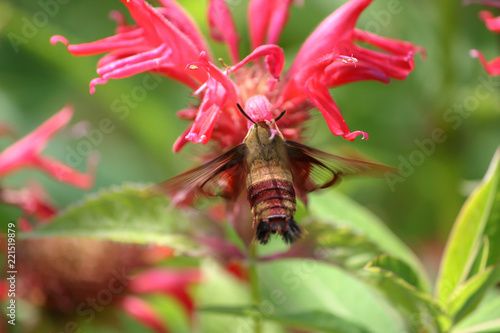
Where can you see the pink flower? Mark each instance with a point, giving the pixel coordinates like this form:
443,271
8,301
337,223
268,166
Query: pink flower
26,153
165,40
493,24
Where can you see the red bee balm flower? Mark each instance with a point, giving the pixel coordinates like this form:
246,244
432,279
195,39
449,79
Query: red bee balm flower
165,40
493,24
26,153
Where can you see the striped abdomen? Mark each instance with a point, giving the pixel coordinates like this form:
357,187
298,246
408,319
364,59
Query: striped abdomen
273,205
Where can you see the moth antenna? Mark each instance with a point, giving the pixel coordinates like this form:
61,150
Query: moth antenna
280,116
243,113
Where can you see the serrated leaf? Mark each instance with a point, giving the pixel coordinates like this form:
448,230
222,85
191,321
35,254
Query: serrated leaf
468,295
129,214
340,211
477,226
316,320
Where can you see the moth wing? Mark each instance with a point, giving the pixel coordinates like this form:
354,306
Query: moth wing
313,169
220,177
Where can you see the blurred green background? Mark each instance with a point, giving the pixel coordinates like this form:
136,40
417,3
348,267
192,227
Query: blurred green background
37,80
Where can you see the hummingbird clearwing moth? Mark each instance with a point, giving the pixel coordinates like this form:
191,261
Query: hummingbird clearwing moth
274,172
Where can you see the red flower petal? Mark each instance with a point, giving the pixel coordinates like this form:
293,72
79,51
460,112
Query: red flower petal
320,95
143,312
174,13
219,91
170,282
492,67
222,28
334,29
157,43
492,22
266,20
274,56
330,57
33,200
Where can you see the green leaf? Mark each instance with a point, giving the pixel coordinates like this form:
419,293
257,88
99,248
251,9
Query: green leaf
305,286
400,284
317,320
486,317
130,214
468,295
473,240
341,211
341,245
398,268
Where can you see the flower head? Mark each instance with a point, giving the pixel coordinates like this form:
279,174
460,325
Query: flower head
493,24
165,40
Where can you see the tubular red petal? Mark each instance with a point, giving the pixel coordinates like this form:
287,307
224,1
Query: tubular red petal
143,312
338,74
259,13
159,30
123,40
279,17
266,19
318,93
156,53
202,128
26,153
63,173
165,281
275,59
173,12
127,67
217,75
181,140
334,29
393,46
222,27
395,66
492,22
492,67
23,151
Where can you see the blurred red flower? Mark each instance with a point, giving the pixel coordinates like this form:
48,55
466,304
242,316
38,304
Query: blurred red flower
72,280
166,40
493,25
26,153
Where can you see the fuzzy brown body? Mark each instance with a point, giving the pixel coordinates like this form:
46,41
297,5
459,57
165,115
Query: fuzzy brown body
269,183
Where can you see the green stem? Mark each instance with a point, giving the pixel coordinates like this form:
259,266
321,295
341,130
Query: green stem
254,283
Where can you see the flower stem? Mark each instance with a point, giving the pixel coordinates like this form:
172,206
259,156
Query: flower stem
254,284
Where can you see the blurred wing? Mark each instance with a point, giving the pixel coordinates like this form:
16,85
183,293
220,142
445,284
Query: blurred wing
221,177
313,169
